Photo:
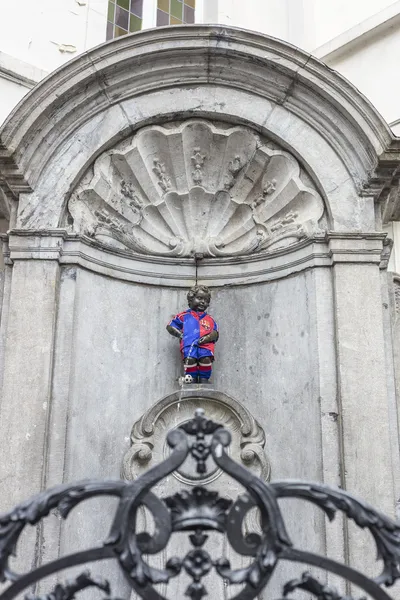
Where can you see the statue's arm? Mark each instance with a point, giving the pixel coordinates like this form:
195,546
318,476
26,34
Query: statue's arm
210,337
175,327
174,331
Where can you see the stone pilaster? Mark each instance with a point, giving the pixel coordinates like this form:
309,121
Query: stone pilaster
28,357
366,458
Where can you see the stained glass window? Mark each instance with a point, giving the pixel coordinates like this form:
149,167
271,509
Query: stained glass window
175,12
124,16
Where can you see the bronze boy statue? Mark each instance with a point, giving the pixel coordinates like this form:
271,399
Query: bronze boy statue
198,333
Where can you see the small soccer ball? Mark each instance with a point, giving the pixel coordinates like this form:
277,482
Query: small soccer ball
188,379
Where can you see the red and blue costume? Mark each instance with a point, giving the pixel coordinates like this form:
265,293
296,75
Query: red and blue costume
195,325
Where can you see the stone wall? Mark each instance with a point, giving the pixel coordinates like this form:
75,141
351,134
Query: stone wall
261,181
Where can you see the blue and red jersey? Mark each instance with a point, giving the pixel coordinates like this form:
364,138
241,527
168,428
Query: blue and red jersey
194,325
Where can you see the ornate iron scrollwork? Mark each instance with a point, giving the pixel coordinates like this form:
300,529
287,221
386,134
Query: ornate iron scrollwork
200,512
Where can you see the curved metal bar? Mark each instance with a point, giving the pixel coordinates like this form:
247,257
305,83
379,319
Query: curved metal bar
65,562
333,499
360,580
385,531
122,537
134,492
162,520
235,517
252,587
273,524
249,592
275,537
63,497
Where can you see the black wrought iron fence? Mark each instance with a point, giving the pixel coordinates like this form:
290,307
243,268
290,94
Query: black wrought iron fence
199,512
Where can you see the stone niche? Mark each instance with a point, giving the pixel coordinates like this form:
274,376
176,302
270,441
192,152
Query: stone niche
235,159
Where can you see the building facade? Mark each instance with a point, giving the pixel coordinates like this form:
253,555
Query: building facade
209,154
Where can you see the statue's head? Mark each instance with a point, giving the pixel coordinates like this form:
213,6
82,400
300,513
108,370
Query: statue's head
199,297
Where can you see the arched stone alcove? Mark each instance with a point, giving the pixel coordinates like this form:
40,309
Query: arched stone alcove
267,167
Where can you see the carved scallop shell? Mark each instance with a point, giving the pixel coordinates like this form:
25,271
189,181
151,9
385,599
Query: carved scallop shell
196,187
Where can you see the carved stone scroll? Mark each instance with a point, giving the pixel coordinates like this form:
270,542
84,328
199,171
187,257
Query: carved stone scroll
196,187
148,446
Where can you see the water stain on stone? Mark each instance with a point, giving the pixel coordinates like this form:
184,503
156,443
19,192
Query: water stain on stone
68,273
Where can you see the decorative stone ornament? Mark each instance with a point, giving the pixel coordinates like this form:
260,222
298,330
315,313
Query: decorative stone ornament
148,434
196,187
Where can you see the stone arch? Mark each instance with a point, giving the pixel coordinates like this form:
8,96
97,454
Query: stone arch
214,72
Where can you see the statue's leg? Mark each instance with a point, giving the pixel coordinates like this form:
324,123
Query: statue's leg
190,368
205,368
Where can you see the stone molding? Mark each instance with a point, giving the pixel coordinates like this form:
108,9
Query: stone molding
19,71
148,442
323,250
197,187
204,42
5,204
391,206
164,74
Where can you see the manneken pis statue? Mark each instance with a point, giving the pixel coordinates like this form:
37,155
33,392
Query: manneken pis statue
198,333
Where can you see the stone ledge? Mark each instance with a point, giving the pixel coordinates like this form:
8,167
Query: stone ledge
322,250
19,71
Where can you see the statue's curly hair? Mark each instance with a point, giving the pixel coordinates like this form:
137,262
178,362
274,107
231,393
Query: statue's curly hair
198,288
